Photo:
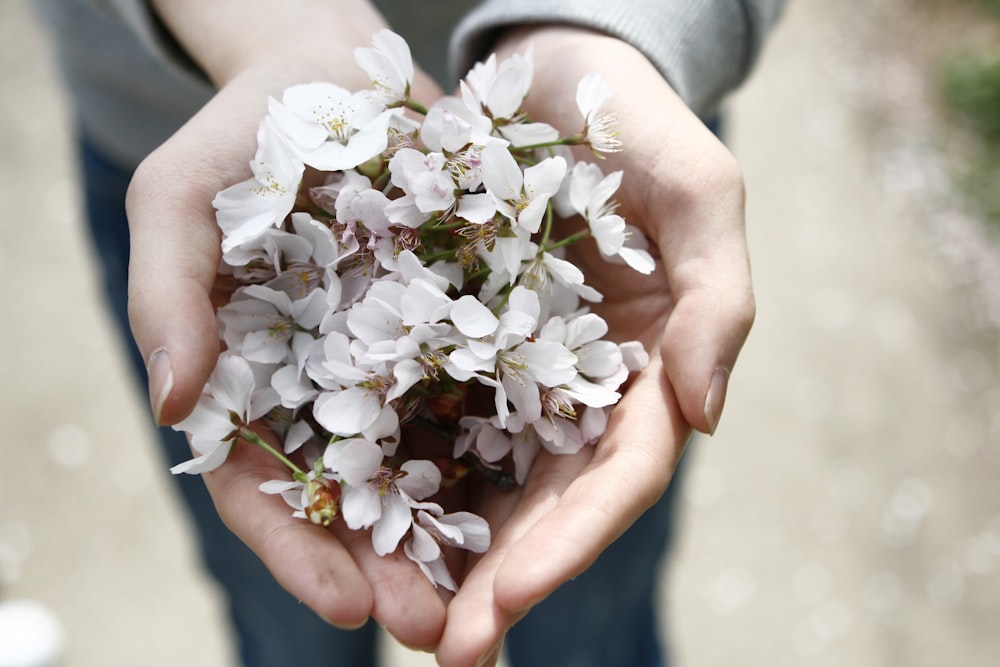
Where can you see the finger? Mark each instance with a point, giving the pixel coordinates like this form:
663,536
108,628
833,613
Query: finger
405,603
701,238
175,249
305,559
477,623
629,472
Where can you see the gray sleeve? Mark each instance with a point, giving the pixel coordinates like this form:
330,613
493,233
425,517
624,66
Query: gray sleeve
145,24
704,48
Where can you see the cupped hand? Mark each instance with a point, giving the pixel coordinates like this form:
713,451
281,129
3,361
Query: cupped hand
173,267
683,189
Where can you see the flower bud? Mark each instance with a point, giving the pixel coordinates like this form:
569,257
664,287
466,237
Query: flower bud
324,501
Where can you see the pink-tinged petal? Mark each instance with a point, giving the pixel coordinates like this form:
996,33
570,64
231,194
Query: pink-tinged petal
477,208
214,455
347,412
423,479
396,519
472,318
361,506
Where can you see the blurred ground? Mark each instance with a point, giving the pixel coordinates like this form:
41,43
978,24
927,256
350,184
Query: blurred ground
847,512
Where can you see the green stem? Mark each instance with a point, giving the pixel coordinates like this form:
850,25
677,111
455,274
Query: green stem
565,141
548,225
414,105
569,240
255,439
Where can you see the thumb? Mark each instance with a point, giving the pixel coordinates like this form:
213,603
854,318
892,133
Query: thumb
172,266
705,332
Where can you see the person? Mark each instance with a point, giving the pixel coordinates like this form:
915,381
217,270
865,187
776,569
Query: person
168,94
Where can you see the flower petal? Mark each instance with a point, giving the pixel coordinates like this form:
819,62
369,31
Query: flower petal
396,519
472,318
347,412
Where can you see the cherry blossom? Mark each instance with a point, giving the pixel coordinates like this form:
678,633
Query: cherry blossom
414,261
389,65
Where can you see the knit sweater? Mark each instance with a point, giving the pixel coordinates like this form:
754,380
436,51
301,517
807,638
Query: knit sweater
132,85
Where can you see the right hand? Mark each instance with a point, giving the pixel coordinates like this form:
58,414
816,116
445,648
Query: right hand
172,270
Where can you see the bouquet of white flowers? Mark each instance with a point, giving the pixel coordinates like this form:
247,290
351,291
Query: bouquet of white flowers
388,268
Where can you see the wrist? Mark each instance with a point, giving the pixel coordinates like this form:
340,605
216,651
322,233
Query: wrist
302,41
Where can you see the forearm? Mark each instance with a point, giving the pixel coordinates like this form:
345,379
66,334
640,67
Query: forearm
308,38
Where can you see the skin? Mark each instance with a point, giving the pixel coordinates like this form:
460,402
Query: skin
682,188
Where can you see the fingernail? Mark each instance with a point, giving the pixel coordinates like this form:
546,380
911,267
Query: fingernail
716,397
161,380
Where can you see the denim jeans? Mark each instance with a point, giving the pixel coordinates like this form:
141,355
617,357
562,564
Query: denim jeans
606,617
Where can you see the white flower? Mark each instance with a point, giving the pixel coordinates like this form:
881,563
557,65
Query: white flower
600,130
261,323
389,64
590,194
331,128
245,210
498,90
222,410
521,196
428,186
547,270
377,496
431,530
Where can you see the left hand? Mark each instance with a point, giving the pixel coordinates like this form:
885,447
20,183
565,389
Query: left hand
685,191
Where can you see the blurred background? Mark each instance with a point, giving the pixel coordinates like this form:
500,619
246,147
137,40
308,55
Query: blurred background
846,513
